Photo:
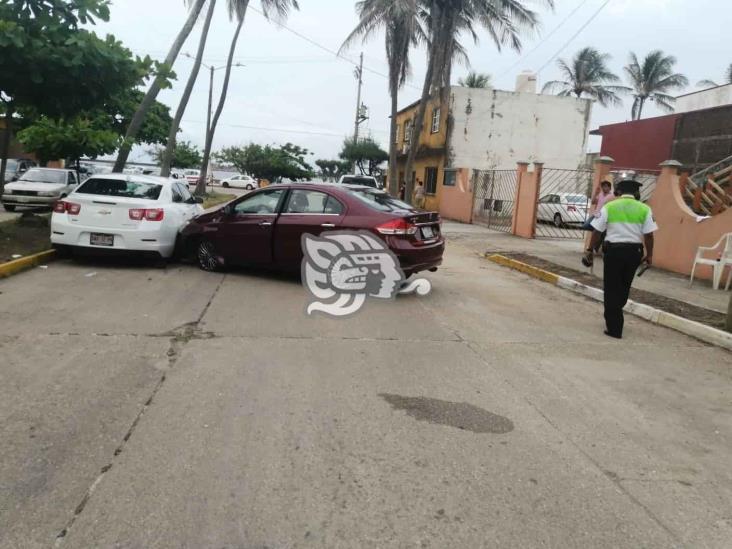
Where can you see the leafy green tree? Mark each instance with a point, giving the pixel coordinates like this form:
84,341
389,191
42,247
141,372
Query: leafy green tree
365,153
54,67
400,21
712,84
185,155
332,170
279,9
652,79
475,80
444,21
587,75
161,81
269,161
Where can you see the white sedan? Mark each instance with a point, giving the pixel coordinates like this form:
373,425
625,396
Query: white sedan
241,181
138,213
563,209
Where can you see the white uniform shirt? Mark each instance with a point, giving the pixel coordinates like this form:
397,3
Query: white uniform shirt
625,232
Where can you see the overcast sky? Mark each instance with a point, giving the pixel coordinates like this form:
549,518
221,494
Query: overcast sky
292,90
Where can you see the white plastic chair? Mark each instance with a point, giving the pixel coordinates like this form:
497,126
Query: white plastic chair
718,262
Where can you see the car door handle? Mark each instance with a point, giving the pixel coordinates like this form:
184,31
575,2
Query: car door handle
327,225
265,224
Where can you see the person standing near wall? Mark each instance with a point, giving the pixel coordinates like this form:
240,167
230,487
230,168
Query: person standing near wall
419,195
630,226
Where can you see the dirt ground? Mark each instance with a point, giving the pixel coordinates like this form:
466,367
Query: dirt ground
673,306
24,236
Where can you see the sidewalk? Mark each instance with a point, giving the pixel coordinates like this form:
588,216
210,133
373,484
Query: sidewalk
567,253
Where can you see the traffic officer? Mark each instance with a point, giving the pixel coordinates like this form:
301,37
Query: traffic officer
629,224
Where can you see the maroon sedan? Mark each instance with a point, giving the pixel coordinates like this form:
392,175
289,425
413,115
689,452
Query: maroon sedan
265,227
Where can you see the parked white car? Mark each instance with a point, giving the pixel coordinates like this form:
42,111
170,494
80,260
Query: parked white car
366,180
39,187
241,181
192,176
563,208
139,213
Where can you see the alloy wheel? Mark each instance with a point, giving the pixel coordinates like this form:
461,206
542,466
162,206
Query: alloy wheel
207,258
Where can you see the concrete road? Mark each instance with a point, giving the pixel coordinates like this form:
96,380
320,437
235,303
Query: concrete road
143,407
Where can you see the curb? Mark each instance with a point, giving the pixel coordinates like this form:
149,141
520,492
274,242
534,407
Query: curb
651,314
13,267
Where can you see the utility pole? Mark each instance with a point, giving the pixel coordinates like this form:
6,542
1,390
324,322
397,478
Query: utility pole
359,75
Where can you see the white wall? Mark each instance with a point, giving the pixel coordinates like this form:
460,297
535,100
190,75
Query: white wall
705,99
495,129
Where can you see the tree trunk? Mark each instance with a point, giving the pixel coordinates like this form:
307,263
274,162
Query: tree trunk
155,87
8,134
417,132
729,315
201,187
640,107
175,125
393,180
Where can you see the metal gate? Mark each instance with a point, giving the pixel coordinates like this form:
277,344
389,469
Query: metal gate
564,203
495,193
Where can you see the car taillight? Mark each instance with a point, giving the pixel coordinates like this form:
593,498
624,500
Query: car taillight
152,214
397,226
70,208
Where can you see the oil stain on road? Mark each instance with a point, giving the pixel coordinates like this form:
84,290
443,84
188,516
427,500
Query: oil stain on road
460,415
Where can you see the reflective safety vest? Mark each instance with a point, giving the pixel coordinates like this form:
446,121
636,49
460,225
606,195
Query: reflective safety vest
626,220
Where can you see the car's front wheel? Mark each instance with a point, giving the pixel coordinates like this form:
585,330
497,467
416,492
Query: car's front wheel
250,187
558,222
208,260
225,184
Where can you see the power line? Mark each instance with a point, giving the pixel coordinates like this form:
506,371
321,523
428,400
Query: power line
575,35
543,40
284,130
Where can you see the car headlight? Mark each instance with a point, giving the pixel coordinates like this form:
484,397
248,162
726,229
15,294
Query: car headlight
47,193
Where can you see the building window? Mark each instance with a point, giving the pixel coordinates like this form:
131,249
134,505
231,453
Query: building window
430,180
435,120
408,131
450,178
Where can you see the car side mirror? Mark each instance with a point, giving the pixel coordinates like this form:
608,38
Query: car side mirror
228,210
197,200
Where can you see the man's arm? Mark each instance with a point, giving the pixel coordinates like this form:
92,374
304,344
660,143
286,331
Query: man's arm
649,241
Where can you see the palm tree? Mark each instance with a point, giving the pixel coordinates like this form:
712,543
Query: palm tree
279,9
157,84
587,75
167,156
652,80
399,19
445,21
712,84
475,80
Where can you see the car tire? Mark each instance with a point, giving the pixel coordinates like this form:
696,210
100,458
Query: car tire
9,208
558,222
206,256
225,185
63,251
250,187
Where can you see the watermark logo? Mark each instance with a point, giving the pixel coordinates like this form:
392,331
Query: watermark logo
341,269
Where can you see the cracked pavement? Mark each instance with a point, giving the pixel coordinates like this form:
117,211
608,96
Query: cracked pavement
156,408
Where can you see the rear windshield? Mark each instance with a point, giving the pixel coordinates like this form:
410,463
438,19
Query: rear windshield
128,188
380,200
355,180
37,175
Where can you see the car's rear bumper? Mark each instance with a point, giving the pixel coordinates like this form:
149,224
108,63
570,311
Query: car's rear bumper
157,241
416,258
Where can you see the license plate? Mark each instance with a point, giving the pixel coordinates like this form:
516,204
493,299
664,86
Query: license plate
98,239
428,232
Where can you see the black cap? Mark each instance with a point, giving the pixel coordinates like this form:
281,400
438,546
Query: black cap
628,185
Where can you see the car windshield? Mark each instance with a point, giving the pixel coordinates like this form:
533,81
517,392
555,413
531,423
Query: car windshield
355,180
380,200
38,175
576,199
127,188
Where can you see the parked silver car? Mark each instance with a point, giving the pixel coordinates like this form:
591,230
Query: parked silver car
563,208
39,187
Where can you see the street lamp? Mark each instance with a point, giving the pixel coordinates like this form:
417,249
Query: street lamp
211,69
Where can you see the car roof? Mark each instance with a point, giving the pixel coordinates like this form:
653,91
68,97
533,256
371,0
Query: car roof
334,186
153,179
53,169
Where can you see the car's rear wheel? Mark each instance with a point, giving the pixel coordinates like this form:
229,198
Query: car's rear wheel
9,208
208,260
250,187
558,222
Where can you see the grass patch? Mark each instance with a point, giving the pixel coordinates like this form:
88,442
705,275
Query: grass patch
24,236
214,199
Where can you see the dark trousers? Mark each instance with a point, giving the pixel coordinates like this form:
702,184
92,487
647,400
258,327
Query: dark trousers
620,265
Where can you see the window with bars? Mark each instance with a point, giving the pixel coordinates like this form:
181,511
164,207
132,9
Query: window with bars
430,180
408,131
435,120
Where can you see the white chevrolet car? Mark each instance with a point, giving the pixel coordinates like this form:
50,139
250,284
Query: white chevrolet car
138,213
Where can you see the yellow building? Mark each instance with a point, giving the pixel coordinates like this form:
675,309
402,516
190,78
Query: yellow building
429,164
